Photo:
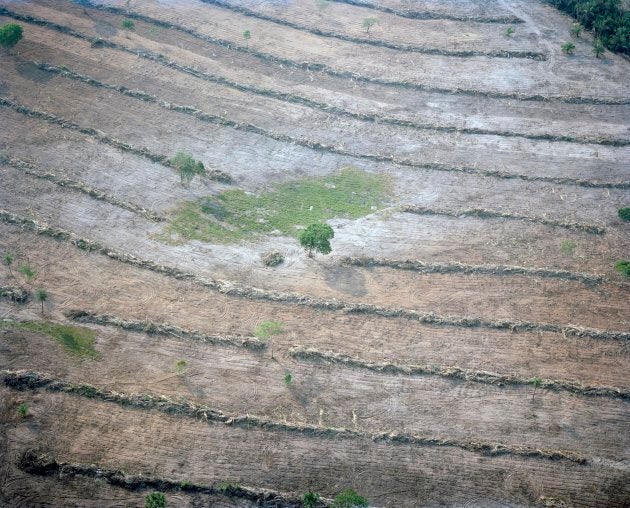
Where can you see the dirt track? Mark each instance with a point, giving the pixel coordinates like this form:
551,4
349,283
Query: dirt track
490,264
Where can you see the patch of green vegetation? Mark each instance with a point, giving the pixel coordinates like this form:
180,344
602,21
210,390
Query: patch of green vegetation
127,24
624,213
509,31
180,366
567,247
267,329
155,500
288,378
285,209
623,267
349,499
226,486
23,410
310,499
77,339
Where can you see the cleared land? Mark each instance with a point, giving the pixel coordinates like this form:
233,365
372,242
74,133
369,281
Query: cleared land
466,342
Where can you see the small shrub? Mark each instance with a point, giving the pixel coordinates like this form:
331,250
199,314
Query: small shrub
536,383
369,23
568,48
288,378
316,238
23,410
180,366
272,258
624,213
187,167
128,24
310,500
567,247
28,272
576,29
509,31
623,267
10,35
155,500
598,48
349,499
247,35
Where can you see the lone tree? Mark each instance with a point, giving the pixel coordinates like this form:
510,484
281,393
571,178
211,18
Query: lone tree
187,167
316,238
247,35
369,23
568,48
41,296
10,35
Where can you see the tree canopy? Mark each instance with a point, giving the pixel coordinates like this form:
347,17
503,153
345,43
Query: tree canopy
10,35
316,238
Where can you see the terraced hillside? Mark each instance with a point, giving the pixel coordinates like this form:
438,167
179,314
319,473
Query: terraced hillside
464,344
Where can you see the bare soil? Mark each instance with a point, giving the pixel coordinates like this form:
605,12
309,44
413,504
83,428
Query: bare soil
458,115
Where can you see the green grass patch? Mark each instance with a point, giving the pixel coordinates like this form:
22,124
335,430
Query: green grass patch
285,209
76,339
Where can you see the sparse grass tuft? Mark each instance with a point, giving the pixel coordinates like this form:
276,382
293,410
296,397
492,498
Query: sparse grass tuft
286,209
268,329
180,366
77,339
567,247
23,410
226,486
28,272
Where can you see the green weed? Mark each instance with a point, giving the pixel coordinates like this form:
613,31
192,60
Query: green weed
76,339
286,209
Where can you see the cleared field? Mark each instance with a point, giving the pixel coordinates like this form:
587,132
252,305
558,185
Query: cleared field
466,342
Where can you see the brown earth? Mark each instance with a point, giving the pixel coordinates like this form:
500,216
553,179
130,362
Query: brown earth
429,97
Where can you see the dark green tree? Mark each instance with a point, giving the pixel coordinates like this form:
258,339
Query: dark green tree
10,35
187,167
316,238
